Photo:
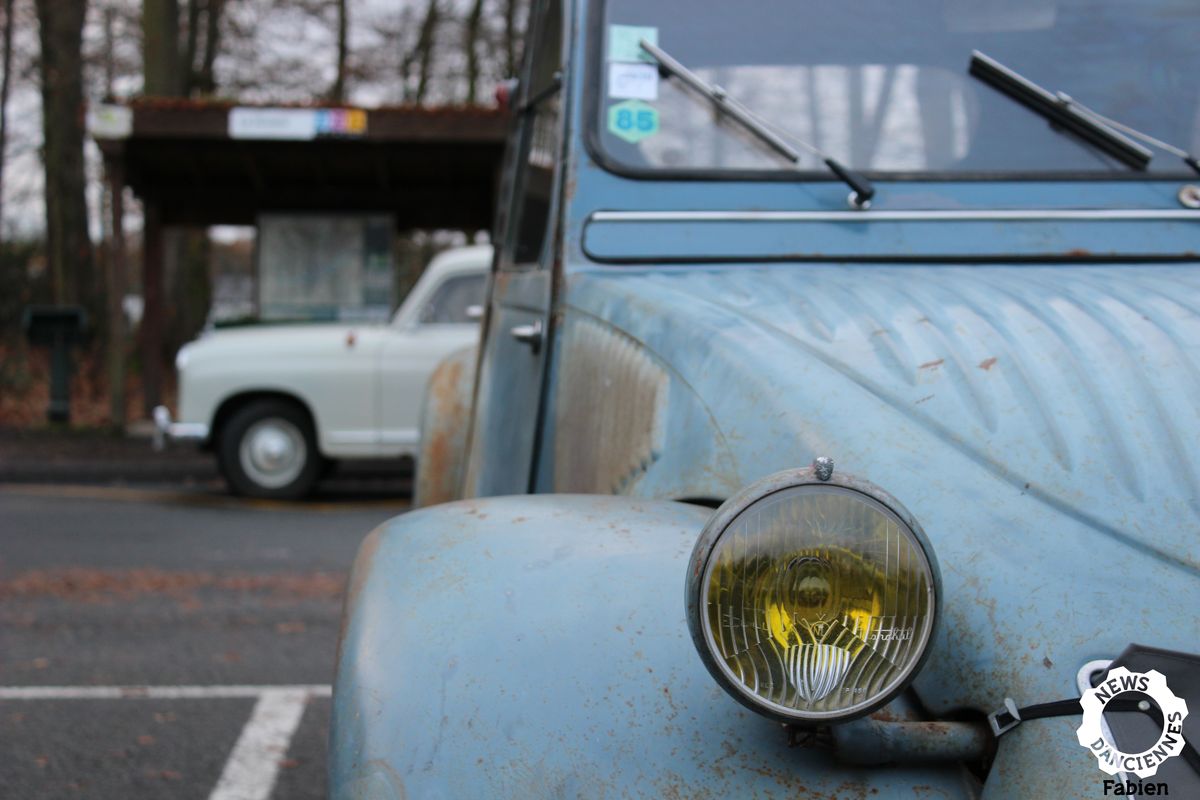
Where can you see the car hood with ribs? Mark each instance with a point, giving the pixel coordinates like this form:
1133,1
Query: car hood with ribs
1042,421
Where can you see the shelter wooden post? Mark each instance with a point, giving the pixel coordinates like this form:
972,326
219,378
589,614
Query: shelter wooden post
152,310
117,272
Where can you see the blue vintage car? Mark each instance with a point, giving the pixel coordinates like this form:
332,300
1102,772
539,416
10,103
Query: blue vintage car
834,426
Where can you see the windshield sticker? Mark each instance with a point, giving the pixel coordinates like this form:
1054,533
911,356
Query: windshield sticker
633,120
633,81
625,42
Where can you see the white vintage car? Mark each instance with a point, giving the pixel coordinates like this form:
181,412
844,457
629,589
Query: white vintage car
277,403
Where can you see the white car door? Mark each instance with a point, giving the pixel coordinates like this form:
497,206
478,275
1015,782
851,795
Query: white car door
412,351
341,381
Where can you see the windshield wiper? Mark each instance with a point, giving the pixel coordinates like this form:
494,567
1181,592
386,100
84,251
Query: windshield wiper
863,191
1064,114
1166,147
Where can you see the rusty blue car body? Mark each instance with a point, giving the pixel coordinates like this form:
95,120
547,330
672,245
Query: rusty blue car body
1018,360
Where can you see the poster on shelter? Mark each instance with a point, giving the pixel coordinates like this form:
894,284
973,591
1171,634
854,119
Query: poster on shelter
325,267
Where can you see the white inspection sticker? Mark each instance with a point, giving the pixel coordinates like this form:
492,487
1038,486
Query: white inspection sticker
633,81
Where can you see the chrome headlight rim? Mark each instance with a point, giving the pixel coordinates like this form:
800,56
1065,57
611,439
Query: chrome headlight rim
699,569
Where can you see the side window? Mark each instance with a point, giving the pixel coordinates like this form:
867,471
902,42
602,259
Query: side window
540,145
451,300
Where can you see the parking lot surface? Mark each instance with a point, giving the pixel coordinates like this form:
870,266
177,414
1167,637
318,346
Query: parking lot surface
158,643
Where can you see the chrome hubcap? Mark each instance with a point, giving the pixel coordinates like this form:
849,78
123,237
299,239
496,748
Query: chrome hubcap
273,452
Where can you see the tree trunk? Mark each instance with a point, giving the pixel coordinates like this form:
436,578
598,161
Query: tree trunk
110,61
68,248
5,85
160,48
510,38
471,45
425,44
206,83
117,272
187,68
337,92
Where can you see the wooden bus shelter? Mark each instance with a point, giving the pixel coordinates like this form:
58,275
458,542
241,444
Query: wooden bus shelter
205,163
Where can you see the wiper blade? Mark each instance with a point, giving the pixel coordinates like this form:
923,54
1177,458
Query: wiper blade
1166,147
1064,114
863,191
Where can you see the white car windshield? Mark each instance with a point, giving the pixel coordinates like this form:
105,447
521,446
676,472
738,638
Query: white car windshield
452,298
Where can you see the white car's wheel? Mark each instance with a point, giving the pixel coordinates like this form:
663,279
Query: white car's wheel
267,449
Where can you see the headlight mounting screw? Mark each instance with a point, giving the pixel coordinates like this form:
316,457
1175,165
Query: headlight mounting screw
823,467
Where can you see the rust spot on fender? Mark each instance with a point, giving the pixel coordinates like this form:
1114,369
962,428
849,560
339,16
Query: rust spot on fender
362,567
358,576
438,453
987,363
443,434
932,364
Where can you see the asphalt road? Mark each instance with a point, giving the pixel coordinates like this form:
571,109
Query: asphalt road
205,597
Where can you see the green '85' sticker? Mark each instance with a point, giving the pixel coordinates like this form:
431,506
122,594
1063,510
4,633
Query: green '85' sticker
633,120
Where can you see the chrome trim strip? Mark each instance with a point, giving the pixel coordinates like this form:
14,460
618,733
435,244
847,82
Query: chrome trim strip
400,436
191,431
952,215
353,437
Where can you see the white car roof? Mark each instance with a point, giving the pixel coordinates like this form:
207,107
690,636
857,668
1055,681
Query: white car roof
472,258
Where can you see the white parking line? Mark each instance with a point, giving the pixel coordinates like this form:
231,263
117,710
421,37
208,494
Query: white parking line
252,768
253,765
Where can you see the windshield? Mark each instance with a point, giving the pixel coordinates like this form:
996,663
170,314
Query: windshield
451,302
883,86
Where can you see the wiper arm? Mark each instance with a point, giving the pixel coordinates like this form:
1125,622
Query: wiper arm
863,191
1166,147
1064,114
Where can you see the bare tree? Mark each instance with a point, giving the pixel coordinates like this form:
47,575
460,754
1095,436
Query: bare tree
5,87
161,71
68,248
205,81
510,38
203,30
337,92
423,52
191,43
471,44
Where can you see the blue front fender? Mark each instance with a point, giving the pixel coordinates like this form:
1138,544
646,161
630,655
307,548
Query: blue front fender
533,647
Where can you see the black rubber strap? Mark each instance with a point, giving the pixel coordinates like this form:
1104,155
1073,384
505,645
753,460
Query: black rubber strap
1069,708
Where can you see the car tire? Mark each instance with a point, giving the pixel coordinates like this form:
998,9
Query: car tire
268,449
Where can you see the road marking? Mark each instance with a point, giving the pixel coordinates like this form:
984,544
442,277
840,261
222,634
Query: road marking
156,692
253,766
199,499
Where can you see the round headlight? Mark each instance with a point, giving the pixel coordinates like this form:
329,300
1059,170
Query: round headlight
812,599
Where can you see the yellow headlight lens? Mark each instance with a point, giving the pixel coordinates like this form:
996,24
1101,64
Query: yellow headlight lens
817,602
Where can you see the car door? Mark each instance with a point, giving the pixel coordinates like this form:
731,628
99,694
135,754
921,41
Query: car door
413,350
334,370
508,391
